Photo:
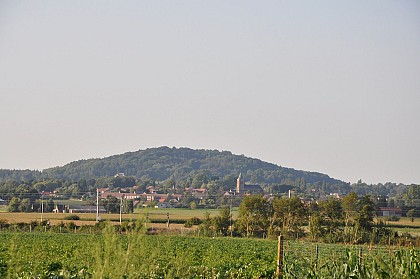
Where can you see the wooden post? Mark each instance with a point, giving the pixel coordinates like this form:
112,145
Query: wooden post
316,256
280,252
97,205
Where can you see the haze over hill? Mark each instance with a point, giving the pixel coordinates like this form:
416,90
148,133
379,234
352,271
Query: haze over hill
178,164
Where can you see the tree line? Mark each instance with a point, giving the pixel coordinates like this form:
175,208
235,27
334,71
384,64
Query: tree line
349,220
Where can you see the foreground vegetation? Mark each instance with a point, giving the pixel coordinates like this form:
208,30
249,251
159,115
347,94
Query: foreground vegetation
136,255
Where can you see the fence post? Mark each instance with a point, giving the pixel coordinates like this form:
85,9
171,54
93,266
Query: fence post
316,256
280,252
360,255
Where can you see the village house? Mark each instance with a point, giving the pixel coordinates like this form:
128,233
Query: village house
197,192
103,190
152,190
390,211
59,208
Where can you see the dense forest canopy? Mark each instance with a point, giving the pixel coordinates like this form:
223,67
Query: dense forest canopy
176,164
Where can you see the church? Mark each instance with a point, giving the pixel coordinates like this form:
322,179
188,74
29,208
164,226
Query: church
242,188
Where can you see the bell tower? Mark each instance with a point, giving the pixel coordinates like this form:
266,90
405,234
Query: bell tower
240,184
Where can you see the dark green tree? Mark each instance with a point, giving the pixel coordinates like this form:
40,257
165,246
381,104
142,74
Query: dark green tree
206,225
25,205
350,211
254,213
366,213
14,204
288,216
129,206
413,195
111,204
332,216
49,206
222,221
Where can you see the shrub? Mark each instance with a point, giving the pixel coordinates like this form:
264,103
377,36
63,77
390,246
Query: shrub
192,221
72,217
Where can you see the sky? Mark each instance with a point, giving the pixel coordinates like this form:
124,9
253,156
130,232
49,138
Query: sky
325,86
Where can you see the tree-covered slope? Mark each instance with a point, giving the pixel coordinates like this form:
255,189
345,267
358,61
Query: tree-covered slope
180,163
19,175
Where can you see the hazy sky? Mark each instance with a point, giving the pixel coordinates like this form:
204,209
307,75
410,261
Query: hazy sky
327,86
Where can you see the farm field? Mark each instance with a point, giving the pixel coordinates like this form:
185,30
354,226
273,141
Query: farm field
405,225
151,213
155,219
110,255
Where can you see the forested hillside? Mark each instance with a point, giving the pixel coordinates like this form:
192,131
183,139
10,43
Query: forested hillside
177,164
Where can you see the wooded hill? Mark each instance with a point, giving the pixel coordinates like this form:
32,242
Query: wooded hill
177,164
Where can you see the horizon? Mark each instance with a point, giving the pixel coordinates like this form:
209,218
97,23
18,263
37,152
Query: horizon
329,87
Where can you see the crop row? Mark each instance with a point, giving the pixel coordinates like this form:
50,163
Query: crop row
135,255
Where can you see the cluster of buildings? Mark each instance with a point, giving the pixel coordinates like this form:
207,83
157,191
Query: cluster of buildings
151,196
162,200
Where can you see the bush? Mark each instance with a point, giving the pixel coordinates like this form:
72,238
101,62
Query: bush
192,221
72,217
392,218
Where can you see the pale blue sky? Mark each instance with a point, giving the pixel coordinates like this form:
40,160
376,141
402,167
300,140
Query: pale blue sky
327,86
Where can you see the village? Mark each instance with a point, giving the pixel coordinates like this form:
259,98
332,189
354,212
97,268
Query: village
126,200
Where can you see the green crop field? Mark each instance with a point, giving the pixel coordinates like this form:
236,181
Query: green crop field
135,255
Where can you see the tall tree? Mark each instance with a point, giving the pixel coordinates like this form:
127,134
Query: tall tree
366,213
14,204
25,205
50,205
413,195
315,221
111,204
254,212
350,209
222,221
332,216
288,216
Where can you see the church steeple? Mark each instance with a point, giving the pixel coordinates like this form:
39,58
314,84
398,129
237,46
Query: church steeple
240,184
